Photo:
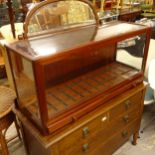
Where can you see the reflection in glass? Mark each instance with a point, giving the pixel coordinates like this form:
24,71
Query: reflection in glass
131,51
60,15
25,85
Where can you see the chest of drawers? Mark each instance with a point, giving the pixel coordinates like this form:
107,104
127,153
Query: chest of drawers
100,132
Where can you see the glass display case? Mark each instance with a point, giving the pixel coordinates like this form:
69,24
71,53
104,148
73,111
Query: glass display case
62,75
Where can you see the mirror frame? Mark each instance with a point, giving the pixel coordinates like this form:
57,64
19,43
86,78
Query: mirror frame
46,2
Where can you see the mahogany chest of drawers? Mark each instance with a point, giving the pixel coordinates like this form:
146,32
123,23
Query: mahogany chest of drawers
100,132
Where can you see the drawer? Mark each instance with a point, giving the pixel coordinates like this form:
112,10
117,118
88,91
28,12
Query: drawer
122,121
84,139
97,133
113,127
121,137
127,105
116,141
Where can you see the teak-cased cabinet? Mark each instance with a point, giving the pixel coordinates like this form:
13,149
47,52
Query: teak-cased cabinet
60,78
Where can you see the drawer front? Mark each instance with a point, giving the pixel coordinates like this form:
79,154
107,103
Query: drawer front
80,144
97,132
122,137
111,129
116,141
126,106
82,147
122,121
84,139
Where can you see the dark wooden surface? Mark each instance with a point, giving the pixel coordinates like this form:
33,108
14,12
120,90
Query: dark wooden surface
24,7
129,15
11,17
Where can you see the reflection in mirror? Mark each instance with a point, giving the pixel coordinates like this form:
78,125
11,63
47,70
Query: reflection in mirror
53,45
59,15
131,51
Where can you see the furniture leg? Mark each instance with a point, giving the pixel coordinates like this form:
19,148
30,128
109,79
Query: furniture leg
3,144
135,136
17,128
11,17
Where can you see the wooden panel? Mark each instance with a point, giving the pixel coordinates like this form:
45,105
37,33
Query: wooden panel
100,136
126,17
82,136
123,120
83,61
33,146
130,15
116,140
121,137
128,105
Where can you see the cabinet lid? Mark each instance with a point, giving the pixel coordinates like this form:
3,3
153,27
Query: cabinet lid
70,41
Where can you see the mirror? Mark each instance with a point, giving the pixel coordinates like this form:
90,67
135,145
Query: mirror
49,16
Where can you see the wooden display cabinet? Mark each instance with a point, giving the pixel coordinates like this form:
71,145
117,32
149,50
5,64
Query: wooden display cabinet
79,84
64,75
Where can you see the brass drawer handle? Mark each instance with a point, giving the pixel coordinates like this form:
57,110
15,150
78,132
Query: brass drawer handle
126,118
85,131
127,104
124,134
85,147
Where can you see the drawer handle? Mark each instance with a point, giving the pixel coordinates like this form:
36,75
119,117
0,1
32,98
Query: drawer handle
126,119
127,104
104,119
85,131
85,147
124,134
